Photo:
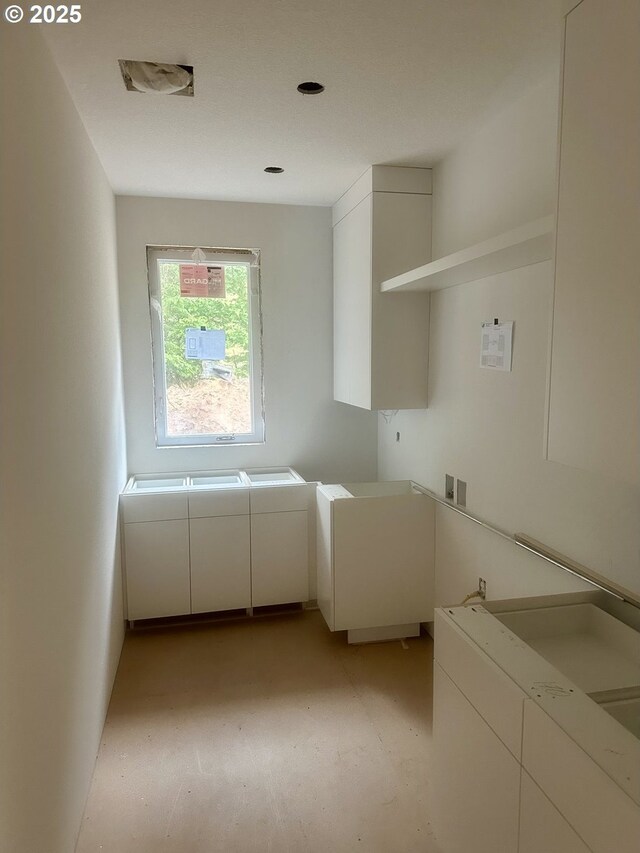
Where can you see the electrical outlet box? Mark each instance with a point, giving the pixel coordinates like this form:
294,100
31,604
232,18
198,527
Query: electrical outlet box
482,588
448,487
461,492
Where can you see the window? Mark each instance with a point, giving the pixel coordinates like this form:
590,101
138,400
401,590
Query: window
207,345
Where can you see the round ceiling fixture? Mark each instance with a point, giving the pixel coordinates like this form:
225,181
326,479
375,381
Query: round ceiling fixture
310,88
274,170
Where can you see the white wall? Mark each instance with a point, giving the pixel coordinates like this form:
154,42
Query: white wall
488,428
502,176
61,455
305,427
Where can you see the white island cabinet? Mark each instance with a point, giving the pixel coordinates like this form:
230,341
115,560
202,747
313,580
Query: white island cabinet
535,733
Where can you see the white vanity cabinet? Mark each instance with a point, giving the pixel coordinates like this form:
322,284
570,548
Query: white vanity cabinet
156,548
594,405
220,550
381,227
280,543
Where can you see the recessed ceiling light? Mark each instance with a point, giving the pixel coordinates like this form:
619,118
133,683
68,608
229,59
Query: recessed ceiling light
310,88
274,170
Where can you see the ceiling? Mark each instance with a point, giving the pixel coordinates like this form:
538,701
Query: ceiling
405,79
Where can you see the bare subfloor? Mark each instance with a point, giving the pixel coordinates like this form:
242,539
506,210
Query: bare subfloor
264,735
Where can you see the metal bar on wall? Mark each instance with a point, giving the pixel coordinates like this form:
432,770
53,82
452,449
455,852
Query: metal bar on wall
523,540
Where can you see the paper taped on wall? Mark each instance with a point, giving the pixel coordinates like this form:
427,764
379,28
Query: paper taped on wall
495,345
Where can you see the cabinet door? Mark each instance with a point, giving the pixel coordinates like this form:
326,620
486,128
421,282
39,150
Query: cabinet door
494,695
542,827
324,558
475,782
594,407
157,567
279,558
400,321
352,306
383,561
588,798
220,563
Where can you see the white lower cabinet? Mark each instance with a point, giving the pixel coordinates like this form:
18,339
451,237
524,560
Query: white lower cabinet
202,550
542,828
476,780
279,557
375,548
220,563
157,565
523,759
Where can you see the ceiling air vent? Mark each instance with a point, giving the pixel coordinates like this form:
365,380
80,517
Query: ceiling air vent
157,78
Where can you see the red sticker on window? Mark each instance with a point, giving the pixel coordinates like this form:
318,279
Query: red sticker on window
194,280
202,280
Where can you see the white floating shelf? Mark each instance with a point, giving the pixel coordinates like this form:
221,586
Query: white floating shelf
527,244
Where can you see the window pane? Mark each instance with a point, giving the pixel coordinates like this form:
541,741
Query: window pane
207,352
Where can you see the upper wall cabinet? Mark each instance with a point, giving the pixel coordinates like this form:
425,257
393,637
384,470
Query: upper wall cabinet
594,407
381,228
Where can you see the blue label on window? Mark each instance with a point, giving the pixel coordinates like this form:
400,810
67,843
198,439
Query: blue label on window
209,344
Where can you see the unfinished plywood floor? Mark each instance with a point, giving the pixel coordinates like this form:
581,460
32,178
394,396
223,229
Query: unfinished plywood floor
264,735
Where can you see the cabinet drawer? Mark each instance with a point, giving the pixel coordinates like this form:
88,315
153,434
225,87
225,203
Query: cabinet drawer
280,498
225,502
166,507
492,693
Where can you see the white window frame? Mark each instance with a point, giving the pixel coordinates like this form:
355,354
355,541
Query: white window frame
180,254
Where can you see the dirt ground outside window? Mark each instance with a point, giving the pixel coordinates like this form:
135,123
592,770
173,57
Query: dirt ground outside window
209,406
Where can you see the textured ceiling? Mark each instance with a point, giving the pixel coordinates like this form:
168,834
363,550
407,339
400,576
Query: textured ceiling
404,81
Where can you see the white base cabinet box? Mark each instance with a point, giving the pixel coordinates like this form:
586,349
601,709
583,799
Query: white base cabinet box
217,541
375,558
543,679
